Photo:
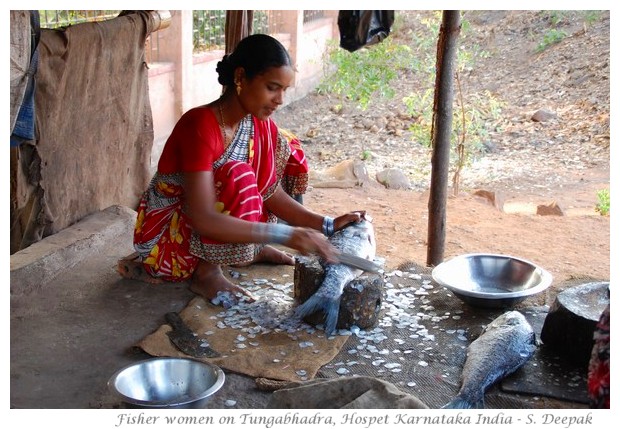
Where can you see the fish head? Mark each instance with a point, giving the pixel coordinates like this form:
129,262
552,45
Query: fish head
357,238
509,318
365,226
365,232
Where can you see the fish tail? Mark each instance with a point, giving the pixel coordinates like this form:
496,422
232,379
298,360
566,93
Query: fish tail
331,315
311,305
461,403
330,306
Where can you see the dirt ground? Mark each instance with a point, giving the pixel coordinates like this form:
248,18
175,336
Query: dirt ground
563,160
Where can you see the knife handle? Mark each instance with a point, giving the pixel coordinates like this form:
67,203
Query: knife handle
174,319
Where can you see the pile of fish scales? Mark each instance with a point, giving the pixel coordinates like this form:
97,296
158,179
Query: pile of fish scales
410,311
407,308
272,310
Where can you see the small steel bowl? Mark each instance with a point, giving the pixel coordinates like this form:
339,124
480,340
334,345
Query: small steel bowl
166,382
491,281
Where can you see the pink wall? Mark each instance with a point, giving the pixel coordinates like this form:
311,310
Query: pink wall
186,80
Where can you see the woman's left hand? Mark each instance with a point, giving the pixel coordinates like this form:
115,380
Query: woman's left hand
348,218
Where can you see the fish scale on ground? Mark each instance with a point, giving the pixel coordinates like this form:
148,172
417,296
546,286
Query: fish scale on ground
411,313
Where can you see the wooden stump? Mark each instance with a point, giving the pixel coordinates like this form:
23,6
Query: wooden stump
361,299
571,321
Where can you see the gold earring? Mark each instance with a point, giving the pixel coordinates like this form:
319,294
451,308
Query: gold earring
238,88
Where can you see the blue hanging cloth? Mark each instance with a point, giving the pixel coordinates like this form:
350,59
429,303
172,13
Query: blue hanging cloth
23,130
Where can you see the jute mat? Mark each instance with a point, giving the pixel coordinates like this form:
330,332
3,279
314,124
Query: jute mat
420,346
357,392
277,354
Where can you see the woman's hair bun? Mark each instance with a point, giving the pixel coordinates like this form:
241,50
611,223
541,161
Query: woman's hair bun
224,71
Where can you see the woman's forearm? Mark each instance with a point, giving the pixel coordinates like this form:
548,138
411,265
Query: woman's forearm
293,213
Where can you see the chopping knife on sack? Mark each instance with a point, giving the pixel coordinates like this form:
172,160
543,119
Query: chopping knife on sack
186,340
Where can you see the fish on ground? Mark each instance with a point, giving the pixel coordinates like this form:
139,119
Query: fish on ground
504,346
357,239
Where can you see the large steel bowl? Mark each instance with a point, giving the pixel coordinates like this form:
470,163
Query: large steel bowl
492,281
166,382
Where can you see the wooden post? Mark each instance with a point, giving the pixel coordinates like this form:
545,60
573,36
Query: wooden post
238,26
442,129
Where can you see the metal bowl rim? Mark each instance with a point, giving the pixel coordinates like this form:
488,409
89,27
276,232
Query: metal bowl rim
167,404
545,282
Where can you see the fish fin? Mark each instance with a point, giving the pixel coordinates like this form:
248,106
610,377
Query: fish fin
330,307
311,305
463,404
331,315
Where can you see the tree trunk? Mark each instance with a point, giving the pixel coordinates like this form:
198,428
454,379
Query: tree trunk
441,131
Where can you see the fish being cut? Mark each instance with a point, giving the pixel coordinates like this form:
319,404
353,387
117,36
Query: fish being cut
356,239
504,346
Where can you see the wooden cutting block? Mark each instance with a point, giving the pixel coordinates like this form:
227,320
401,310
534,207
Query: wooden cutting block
569,326
361,299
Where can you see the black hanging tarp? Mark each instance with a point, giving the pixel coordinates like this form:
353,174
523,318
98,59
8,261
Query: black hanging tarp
359,28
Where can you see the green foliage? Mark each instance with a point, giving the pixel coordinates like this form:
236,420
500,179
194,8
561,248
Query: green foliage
366,155
481,113
591,16
603,202
366,74
208,29
558,18
555,17
551,37
65,18
420,106
480,110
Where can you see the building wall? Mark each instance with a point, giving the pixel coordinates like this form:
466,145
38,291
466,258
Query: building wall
182,79
161,95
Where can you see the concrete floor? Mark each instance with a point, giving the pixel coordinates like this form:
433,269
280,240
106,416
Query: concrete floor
75,320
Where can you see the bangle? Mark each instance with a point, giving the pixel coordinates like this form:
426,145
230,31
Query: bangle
328,226
271,232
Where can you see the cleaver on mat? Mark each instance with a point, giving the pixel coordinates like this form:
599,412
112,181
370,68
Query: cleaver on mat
357,262
185,340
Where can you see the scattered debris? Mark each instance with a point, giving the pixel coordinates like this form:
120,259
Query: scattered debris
550,209
543,115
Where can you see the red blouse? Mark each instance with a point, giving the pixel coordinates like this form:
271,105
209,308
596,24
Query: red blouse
195,143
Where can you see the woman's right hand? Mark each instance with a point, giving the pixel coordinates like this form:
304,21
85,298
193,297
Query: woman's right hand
309,241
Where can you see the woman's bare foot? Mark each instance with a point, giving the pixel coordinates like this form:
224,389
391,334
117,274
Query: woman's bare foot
272,255
208,280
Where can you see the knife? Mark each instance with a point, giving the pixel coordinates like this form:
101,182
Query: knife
357,262
185,340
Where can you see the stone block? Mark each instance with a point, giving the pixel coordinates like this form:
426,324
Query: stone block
550,209
494,198
393,178
543,115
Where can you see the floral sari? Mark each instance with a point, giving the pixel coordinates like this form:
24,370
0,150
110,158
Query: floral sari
244,178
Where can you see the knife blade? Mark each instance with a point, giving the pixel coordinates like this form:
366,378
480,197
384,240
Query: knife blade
358,262
185,340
